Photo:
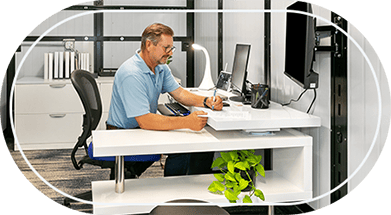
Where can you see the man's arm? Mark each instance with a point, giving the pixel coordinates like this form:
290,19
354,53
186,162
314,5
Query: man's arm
158,122
190,99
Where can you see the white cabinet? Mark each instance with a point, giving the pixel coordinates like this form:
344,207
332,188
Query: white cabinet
49,115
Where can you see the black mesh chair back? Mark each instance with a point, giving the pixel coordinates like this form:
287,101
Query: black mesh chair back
87,89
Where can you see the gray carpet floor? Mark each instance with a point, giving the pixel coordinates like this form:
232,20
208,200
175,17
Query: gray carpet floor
56,167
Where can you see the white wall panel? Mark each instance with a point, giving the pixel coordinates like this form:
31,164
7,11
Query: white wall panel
244,27
363,107
133,24
181,3
80,26
206,26
116,53
284,89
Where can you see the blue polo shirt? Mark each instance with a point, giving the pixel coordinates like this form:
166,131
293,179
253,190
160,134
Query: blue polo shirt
136,91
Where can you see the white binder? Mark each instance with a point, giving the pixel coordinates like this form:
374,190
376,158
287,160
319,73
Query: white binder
61,65
46,66
67,64
55,72
50,66
72,62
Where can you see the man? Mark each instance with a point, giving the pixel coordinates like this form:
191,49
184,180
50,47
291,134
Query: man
138,84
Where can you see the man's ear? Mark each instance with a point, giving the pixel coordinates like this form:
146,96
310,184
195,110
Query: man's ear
148,45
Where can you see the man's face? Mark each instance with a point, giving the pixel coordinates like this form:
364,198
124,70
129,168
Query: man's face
162,50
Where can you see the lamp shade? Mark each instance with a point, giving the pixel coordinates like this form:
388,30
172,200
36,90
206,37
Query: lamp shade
207,81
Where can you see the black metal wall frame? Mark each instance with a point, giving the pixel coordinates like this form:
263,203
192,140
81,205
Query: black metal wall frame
339,109
99,37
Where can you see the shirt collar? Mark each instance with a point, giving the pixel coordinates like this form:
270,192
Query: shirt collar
145,68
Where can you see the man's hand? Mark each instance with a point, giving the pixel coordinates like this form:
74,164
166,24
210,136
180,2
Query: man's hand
197,123
217,104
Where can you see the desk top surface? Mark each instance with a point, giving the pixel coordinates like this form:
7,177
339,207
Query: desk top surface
243,117
139,141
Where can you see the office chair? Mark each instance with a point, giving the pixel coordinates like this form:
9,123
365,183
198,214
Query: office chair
187,209
87,89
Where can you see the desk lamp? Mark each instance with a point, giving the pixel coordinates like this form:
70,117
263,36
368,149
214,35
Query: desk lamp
207,82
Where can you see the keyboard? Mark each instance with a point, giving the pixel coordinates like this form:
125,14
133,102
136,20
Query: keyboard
177,109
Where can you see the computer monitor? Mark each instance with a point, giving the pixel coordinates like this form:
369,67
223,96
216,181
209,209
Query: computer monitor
300,46
239,71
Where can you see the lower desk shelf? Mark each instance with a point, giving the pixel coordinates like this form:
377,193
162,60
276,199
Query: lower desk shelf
145,194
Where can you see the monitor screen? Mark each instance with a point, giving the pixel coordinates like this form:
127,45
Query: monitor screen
299,46
239,68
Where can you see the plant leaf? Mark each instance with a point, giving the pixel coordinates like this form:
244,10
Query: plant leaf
230,184
230,177
247,199
243,184
225,156
218,162
238,177
246,164
234,155
231,167
235,190
259,194
219,177
260,170
219,186
230,195
212,188
216,186
259,158
240,165
244,153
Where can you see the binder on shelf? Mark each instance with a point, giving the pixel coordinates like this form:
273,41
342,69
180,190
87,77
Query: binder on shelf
88,62
50,75
46,66
61,65
79,60
67,64
55,72
72,62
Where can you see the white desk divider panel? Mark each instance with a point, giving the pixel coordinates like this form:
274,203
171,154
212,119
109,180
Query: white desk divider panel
290,179
243,117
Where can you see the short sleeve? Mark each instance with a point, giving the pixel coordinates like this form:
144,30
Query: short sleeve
169,83
133,93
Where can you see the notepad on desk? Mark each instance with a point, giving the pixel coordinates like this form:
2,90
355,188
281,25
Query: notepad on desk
228,114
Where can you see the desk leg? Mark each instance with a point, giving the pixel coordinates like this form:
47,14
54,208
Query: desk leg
271,210
119,174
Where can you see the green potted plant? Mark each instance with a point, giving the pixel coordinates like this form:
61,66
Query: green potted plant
236,169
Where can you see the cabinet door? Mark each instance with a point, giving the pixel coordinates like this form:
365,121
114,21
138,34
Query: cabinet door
46,98
48,128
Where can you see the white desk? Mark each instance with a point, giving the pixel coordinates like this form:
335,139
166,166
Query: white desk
273,118
290,179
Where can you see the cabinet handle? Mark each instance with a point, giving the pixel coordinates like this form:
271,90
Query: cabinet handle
57,85
57,115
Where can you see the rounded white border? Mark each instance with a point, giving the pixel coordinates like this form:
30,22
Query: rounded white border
201,11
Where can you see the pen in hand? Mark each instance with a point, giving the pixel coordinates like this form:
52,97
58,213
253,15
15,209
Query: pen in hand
214,99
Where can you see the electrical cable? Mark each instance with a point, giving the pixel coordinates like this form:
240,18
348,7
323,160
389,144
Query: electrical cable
292,100
312,101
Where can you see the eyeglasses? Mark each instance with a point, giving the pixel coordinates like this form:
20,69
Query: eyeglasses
168,49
